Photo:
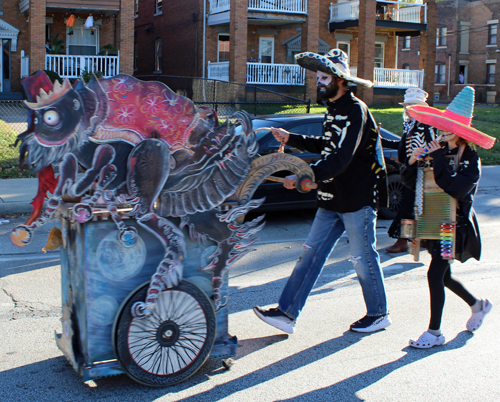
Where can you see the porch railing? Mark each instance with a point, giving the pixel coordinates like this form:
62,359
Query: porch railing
25,65
285,6
394,11
73,66
218,71
275,74
393,78
278,6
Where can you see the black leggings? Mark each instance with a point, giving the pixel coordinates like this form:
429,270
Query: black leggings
439,276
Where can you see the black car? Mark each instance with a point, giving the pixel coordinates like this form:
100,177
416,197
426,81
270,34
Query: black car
279,198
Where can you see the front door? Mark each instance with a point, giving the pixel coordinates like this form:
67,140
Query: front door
5,66
266,50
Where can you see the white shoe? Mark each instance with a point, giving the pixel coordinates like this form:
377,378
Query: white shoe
427,340
476,319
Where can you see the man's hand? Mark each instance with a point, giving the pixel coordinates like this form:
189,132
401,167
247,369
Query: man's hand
280,134
290,182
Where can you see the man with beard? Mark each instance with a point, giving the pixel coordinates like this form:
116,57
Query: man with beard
351,183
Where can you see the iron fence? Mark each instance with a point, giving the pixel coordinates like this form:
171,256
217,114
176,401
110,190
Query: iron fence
226,98
13,121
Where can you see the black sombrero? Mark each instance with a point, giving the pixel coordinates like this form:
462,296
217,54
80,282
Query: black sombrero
334,62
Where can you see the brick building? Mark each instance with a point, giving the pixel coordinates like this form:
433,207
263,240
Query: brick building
254,41
27,26
466,50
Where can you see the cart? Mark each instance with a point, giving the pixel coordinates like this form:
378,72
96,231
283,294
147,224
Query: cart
150,229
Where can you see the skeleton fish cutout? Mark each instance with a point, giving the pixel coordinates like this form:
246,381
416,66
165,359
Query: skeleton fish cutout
207,162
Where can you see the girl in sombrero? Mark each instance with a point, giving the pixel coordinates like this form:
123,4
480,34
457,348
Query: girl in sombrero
457,169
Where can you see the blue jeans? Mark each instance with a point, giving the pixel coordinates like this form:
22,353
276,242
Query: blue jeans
325,232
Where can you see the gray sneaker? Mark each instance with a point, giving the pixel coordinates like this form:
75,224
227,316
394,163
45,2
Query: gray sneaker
276,318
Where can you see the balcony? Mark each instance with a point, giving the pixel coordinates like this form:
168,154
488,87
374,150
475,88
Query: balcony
262,73
270,6
389,14
73,66
83,5
292,74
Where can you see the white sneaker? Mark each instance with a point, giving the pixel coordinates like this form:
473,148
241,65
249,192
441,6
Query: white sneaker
476,319
276,318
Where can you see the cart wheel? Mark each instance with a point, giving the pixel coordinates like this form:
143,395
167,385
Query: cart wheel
170,344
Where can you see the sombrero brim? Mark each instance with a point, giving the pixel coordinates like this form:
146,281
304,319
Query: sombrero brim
447,121
317,62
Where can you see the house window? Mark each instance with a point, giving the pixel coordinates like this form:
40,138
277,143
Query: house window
462,74
490,73
158,5
492,34
441,37
439,74
345,47
406,42
379,55
223,49
158,56
83,42
136,7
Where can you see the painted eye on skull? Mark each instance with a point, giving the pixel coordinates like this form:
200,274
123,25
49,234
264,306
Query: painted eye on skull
76,104
51,118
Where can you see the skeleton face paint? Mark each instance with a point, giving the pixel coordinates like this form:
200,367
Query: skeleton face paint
327,85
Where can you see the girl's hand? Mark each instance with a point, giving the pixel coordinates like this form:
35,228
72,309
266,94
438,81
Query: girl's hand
433,146
417,155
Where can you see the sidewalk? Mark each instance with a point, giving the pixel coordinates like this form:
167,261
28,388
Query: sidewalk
16,194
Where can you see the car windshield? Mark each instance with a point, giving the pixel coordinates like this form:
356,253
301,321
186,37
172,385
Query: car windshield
258,123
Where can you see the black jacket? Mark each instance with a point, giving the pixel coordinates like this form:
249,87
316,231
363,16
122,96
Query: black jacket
351,173
462,186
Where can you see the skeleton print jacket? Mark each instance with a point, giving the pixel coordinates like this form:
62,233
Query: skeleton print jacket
351,173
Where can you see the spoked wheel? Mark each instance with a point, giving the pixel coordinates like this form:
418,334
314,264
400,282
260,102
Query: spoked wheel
170,344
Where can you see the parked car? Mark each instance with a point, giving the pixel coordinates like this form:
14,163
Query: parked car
279,198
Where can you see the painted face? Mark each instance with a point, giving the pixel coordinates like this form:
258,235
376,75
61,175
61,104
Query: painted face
327,85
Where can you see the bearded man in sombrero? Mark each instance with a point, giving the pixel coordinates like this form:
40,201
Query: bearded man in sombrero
456,169
351,182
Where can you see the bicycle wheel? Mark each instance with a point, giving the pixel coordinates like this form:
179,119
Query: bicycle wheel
170,344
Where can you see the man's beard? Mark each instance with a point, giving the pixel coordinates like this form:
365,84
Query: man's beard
329,91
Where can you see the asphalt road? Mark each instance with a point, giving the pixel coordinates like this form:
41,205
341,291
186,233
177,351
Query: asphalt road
322,361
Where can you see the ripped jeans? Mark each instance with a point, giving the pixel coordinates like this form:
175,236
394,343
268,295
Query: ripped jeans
325,232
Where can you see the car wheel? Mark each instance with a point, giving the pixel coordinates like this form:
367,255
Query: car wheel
394,195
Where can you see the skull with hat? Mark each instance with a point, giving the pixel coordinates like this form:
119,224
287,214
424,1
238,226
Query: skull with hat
335,62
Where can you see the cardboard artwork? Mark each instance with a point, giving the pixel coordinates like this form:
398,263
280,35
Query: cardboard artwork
150,196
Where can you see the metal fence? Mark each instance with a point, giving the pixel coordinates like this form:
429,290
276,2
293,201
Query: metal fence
13,121
225,97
